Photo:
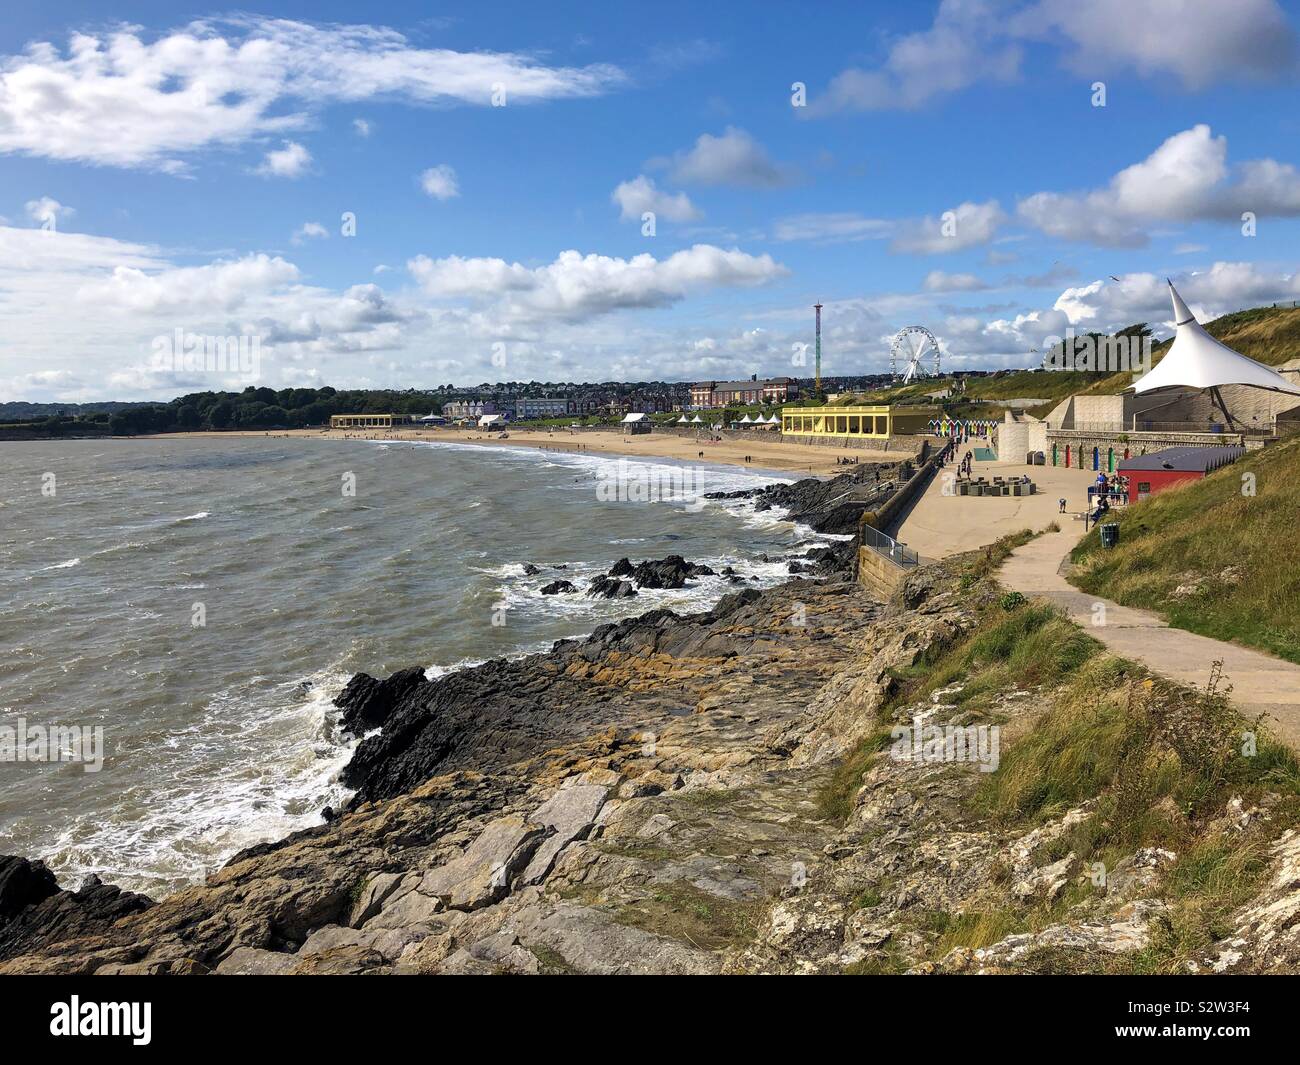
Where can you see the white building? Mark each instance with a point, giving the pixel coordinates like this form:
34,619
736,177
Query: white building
541,407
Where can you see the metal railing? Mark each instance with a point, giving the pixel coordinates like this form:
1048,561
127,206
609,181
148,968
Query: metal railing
889,547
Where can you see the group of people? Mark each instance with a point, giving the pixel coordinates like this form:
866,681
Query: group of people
847,460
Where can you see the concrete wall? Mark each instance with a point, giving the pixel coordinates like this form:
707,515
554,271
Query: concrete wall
1136,443
879,576
1016,436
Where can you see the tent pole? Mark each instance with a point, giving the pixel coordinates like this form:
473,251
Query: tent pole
1216,397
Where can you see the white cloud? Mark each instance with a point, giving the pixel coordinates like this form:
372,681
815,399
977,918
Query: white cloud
1199,44
965,226
362,127
48,211
641,194
831,228
440,182
309,230
961,48
220,287
940,281
982,42
734,158
1186,179
576,287
1225,287
122,99
291,161
89,308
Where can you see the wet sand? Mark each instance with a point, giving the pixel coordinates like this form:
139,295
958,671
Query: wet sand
765,451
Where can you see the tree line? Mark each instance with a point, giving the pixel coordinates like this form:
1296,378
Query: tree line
265,408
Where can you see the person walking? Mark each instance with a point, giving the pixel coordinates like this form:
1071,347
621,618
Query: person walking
1061,504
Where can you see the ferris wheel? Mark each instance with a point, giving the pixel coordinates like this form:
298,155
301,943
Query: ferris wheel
914,353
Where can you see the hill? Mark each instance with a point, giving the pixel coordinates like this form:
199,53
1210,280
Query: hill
1211,558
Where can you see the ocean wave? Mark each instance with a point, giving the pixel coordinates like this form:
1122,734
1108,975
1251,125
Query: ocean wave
202,806
64,565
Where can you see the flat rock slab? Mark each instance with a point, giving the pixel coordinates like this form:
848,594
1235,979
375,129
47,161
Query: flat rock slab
589,942
249,961
571,812
483,874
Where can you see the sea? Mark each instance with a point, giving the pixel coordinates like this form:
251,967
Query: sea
181,612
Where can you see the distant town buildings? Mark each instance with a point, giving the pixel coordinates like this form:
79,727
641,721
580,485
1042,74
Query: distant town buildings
468,408
706,395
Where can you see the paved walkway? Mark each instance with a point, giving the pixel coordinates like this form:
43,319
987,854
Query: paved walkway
940,525
1260,682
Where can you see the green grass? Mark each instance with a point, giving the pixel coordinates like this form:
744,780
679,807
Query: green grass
1159,764
1240,549
1024,645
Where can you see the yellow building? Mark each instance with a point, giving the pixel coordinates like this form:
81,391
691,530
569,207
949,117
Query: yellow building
367,421
877,423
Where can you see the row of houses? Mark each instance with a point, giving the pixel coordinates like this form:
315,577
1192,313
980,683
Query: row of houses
703,395
523,408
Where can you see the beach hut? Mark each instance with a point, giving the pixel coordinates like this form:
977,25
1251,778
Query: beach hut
492,421
636,423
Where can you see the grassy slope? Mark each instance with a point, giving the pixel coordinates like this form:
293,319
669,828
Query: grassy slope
1158,763
1241,550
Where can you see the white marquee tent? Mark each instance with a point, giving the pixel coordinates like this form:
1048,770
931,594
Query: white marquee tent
1197,360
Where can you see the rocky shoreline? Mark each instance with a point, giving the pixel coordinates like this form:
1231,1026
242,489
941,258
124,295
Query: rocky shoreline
653,798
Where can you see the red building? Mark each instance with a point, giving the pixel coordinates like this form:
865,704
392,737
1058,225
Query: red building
1157,470
706,395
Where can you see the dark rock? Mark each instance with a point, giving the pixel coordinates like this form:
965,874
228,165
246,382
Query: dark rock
834,506
621,568
610,588
68,915
530,570
367,702
505,711
23,884
559,588
670,572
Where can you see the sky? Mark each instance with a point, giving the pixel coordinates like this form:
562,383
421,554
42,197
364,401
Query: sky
464,193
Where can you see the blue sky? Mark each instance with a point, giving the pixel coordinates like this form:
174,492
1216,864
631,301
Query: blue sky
164,169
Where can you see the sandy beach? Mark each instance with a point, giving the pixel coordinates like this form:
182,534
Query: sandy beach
760,452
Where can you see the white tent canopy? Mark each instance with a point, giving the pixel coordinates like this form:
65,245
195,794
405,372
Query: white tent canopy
745,420
1197,360
635,418
697,420
683,420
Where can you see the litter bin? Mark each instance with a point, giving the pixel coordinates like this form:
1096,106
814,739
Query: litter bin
1109,534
